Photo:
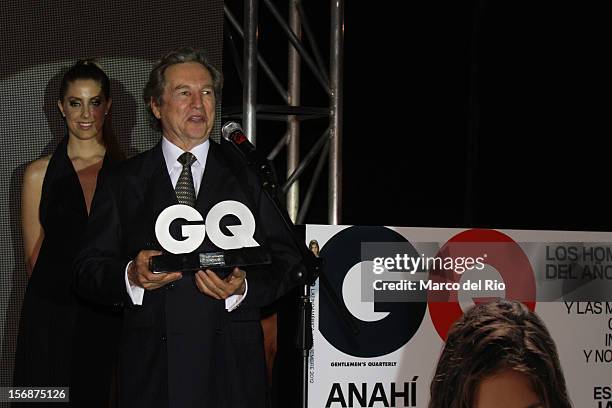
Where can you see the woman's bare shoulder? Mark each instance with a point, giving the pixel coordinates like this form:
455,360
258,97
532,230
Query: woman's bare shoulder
35,171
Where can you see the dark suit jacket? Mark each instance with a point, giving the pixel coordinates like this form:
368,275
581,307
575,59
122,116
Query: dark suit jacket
181,348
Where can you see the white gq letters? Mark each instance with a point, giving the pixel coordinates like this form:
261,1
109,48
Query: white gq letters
195,234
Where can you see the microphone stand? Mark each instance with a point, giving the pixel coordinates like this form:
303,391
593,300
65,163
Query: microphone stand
304,341
313,264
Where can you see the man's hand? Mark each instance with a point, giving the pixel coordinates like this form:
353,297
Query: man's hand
209,283
140,275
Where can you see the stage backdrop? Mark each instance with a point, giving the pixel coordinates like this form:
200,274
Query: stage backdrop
391,361
39,39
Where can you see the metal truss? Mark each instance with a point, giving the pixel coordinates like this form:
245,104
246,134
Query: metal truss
328,146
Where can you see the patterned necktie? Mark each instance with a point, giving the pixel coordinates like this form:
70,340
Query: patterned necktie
185,192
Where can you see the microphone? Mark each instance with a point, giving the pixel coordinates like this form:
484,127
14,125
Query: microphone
232,132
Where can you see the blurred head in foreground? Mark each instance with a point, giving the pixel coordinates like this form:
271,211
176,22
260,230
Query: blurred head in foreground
500,355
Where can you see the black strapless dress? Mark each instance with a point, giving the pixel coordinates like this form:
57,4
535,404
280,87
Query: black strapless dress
64,340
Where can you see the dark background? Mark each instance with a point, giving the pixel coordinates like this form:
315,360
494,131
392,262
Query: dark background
475,113
472,113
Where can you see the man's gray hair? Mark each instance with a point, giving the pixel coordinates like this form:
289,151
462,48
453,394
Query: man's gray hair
155,85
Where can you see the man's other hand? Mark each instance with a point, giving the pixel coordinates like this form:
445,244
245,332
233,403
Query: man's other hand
209,283
140,275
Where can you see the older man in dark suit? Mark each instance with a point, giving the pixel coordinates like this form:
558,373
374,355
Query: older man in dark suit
190,339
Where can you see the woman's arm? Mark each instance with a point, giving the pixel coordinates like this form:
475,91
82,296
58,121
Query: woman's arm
32,231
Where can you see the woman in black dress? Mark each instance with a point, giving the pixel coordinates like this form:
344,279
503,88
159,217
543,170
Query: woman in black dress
63,340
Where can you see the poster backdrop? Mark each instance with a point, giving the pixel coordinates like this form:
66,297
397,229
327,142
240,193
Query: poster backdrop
391,360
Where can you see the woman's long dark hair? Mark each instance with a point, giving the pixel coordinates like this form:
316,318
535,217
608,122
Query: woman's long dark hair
89,69
492,337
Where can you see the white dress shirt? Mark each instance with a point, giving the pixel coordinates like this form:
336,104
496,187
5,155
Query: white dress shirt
171,154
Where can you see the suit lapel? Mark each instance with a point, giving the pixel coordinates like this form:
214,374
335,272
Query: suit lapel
160,192
213,180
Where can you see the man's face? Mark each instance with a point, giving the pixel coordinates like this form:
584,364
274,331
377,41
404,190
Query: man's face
187,108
